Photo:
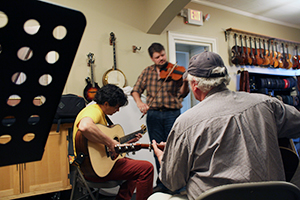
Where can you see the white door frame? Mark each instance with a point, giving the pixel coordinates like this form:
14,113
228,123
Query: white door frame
174,38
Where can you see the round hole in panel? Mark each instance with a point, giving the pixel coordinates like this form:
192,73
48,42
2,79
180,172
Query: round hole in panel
31,26
52,57
4,139
18,78
8,121
13,100
25,53
33,119
28,137
39,100
3,19
45,79
59,32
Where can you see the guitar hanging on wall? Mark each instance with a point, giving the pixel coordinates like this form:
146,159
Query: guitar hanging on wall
114,75
92,87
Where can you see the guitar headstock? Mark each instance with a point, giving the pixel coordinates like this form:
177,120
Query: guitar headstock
125,148
133,147
91,59
112,38
143,129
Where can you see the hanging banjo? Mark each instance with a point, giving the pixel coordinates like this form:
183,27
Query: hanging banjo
114,75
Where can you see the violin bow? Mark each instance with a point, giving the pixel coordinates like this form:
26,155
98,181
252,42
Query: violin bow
150,103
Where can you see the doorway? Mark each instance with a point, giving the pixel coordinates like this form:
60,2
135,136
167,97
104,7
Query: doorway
181,48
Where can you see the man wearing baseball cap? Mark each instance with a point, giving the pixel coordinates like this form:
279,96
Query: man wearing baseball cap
229,137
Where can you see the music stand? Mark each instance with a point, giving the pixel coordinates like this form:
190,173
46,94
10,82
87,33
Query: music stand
40,74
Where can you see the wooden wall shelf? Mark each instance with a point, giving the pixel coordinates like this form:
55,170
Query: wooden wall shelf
233,30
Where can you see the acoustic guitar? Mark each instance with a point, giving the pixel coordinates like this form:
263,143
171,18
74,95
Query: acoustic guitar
289,157
98,161
92,87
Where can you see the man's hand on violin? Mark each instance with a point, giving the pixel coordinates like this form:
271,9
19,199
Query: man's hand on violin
143,107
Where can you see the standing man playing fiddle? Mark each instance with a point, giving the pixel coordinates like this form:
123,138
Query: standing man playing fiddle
164,98
137,173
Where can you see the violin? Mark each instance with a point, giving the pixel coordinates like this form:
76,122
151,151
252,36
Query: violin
284,58
279,56
251,53
175,72
265,58
274,56
296,59
243,60
248,58
235,52
288,58
258,55
269,56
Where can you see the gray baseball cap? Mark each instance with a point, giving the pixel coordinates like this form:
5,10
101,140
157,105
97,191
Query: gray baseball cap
202,65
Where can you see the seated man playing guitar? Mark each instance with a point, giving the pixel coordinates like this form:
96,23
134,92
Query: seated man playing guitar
138,174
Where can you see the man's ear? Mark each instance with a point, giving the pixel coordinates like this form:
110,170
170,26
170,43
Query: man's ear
106,104
193,85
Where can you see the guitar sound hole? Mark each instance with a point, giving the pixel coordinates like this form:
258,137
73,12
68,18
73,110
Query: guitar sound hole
117,139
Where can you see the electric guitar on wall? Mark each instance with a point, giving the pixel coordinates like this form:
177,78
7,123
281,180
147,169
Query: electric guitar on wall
92,87
98,161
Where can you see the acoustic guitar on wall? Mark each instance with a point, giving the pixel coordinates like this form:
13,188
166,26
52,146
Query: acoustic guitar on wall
92,87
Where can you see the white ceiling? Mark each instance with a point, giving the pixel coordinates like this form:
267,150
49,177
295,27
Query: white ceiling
284,12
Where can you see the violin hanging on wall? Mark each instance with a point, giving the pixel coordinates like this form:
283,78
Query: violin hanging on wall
251,53
248,60
92,87
258,55
296,59
235,53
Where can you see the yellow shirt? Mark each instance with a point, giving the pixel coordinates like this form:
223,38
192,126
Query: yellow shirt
93,111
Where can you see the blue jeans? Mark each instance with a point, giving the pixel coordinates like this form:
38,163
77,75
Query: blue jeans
159,124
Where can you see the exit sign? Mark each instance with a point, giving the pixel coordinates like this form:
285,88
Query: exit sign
194,17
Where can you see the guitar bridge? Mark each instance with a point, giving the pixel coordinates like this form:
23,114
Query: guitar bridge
106,150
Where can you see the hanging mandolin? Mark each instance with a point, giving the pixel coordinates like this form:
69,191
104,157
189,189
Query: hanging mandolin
92,87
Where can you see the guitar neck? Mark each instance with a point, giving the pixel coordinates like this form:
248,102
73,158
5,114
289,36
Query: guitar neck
92,76
130,136
124,148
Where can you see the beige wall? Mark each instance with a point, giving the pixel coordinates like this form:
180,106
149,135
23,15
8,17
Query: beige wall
126,18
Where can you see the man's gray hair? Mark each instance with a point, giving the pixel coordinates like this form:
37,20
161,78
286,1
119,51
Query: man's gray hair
206,84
